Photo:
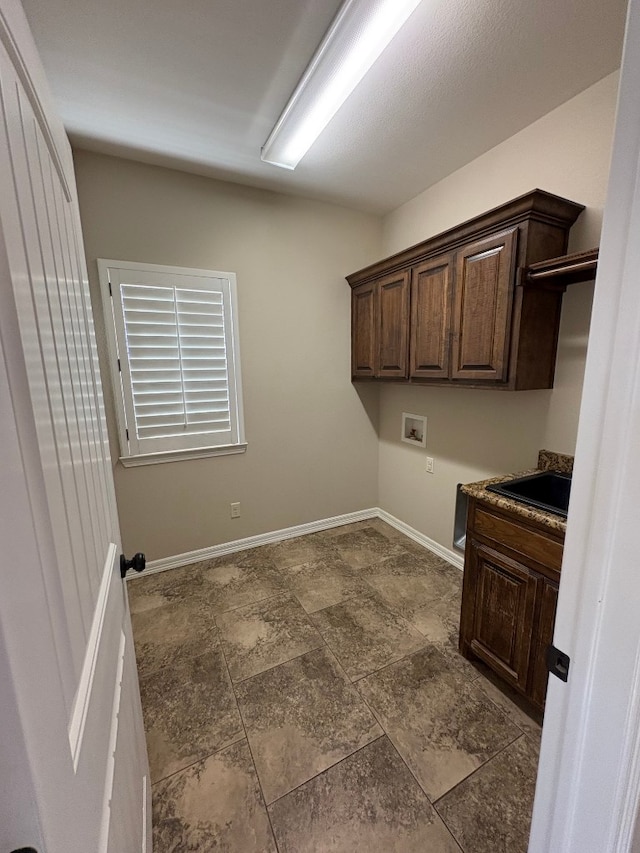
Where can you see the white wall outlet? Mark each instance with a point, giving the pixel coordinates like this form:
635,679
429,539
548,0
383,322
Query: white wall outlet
235,510
429,464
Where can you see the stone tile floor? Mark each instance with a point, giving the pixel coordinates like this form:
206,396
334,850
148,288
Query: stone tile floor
309,696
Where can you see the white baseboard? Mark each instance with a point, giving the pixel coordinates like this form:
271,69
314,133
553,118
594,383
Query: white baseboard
301,530
255,541
456,560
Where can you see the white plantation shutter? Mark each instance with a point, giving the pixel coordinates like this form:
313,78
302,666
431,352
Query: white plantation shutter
175,343
177,360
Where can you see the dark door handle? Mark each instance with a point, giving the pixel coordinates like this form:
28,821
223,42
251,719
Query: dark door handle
137,563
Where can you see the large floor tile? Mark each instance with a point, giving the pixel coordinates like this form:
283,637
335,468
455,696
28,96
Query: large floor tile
363,547
365,635
490,812
190,711
367,803
239,579
510,703
408,592
439,622
266,634
355,526
181,629
323,583
428,594
150,591
436,620
399,538
302,549
301,718
442,579
215,804
443,726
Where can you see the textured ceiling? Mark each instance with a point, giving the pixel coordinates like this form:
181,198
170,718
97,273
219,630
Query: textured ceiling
198,85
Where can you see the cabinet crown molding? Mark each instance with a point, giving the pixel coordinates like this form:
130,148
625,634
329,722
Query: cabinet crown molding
537,205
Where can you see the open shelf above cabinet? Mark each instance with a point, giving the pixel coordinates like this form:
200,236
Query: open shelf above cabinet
563,271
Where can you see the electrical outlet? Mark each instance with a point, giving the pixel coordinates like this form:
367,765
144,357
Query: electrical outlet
429,464
235,510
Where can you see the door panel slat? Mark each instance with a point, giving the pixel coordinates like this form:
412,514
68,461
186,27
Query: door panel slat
60,651
71,635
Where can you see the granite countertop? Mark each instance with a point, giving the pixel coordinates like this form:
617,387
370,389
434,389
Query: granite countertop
547,461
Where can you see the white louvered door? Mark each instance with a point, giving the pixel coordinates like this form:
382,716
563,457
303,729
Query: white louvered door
74,767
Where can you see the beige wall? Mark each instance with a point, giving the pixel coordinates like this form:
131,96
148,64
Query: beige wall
312,440
314,449
473,434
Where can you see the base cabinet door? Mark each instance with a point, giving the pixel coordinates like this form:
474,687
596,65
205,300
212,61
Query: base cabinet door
509,595
504,610
364,340
544,638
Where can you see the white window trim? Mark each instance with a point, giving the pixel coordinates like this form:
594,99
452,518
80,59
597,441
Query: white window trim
178,455
131,459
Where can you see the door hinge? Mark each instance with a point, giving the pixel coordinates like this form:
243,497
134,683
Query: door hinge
558,663
127,432
119,366
110,291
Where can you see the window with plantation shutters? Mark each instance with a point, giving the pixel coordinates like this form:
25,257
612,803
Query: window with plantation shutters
175,362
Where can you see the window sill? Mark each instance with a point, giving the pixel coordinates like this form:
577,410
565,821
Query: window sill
182,455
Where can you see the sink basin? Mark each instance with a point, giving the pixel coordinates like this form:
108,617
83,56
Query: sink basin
547,490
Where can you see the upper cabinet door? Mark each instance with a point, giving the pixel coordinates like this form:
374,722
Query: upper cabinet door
431,318
363,331
482,311
393,324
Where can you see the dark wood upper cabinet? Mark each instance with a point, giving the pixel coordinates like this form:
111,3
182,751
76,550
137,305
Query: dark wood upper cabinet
363,331
393,324
482,310
451,310
431,318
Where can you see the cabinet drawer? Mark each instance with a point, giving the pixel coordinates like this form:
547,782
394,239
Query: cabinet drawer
532,544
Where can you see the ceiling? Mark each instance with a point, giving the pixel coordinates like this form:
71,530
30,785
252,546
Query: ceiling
198,85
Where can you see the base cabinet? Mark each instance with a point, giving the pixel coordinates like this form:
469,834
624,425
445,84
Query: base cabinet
504,608
364,339
509,598
546,624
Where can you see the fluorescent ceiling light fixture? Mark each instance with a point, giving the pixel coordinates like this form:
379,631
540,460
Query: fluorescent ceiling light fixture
359,33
